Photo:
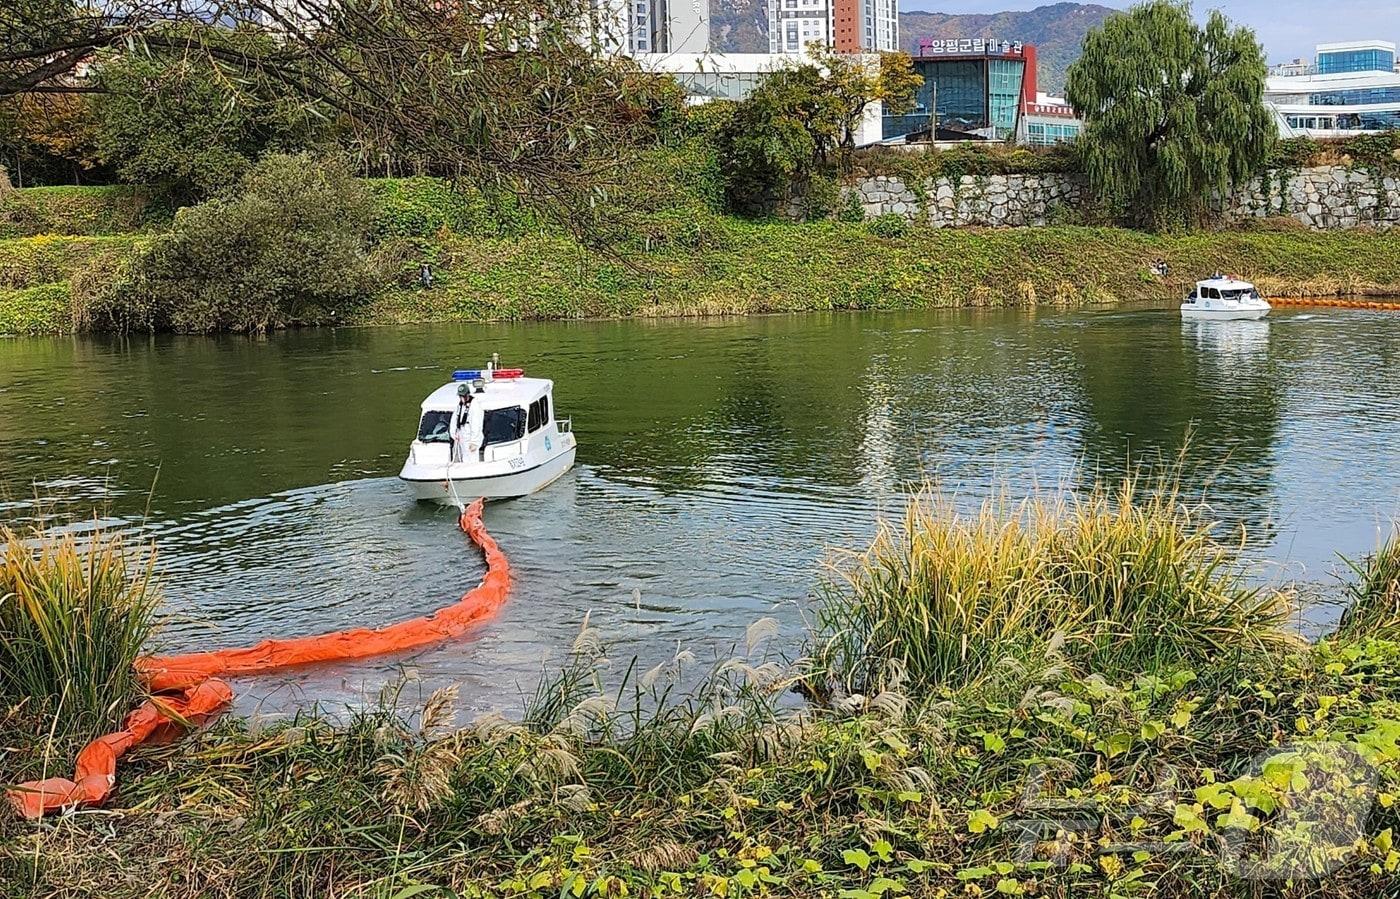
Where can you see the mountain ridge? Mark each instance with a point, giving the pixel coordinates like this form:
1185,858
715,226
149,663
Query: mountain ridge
1056,29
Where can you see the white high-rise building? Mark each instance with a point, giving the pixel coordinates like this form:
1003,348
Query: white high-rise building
659,26
848,26
793,24
883,19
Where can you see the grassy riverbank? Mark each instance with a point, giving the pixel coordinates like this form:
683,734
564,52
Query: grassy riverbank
689,261
743,267
1073,698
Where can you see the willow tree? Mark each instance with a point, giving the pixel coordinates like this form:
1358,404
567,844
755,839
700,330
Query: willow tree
523,96
1173,112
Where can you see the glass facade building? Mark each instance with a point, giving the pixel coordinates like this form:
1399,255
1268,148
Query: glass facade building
1370,59
1004,94
978,97
1043,134
1366,96
720,85
1379,120
1353,88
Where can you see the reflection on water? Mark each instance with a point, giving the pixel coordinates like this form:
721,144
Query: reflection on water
1229,340
719,461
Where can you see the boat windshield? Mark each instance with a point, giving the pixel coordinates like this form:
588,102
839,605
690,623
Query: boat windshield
435,427
503,425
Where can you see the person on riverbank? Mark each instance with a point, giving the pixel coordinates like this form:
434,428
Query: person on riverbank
465,427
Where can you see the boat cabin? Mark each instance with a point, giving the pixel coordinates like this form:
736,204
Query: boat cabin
1221,288
515,445
516,411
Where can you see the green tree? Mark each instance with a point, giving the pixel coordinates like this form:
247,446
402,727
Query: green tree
1173,111
48,138
174,118
774,138
516,95
854,84
804,117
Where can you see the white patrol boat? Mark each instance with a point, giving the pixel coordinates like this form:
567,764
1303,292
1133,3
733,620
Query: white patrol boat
489,432
1220,298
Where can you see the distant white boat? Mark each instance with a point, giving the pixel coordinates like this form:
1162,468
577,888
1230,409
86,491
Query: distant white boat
1221,299
518,447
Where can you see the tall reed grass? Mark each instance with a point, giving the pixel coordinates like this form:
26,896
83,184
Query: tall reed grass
667,725
74,615
1123,579
1373,608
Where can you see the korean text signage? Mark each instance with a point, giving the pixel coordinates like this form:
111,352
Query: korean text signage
970,46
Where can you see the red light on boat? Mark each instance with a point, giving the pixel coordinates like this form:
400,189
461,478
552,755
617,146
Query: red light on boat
501,374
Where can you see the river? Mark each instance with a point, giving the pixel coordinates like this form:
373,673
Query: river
720,461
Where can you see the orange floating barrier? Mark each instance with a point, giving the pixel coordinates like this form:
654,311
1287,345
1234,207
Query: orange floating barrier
186,692
1336,303
177,672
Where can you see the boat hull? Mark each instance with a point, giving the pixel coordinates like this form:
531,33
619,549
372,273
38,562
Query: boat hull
1221,315
506,485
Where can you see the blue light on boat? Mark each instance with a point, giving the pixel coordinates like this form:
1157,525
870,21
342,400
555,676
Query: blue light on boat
462,375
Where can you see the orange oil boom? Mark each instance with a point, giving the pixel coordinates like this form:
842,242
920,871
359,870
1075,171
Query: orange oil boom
186,692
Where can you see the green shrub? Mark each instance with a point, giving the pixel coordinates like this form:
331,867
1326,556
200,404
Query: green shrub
819,198
31,261
291,244
852,212
73,620
1375,150
968,159
422,207
683,229
40,309
889,225
77,211
709,120
686,174
1381,151
1294,153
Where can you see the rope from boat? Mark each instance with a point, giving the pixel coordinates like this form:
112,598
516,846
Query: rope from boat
186,692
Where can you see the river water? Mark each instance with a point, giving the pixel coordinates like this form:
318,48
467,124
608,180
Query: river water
720,461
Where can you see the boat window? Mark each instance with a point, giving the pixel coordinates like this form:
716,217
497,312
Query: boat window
503,425
436,427
1212,293
539,414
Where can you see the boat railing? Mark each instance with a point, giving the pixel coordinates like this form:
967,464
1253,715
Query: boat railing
565,425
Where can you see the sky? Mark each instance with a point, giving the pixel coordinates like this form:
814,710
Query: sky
1287,28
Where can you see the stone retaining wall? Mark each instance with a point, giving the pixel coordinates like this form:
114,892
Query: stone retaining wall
979,200
1327,197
